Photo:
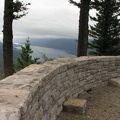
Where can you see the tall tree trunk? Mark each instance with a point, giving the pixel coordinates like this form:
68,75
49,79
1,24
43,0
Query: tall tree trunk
8,38
83,28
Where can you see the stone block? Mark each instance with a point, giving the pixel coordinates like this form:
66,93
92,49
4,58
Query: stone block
75,105
114,82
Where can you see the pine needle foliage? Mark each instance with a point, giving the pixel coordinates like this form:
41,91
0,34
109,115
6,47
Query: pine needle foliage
106,31
25,58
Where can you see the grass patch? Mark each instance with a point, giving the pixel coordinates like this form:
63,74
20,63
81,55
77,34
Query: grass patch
2,76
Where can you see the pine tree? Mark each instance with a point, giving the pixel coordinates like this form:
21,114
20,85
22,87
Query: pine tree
12,10
106,31
84,6
25,58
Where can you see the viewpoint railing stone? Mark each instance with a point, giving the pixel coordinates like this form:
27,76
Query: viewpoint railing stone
38,91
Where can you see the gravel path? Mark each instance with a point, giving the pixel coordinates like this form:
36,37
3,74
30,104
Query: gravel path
103,104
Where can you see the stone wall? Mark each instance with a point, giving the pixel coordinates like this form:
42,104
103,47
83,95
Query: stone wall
38,91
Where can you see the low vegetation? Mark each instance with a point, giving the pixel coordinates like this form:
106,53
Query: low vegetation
25,58
1,76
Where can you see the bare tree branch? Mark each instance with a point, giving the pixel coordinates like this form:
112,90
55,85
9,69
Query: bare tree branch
75,3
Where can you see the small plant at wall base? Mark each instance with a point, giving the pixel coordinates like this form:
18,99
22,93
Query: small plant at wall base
2,76
25,58
45,58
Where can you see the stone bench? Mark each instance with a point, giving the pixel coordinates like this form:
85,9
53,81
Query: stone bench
75,105
114,82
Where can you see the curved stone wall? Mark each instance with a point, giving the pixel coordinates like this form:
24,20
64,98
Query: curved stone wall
38,91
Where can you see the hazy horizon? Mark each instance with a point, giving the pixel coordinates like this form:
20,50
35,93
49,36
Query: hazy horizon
46,19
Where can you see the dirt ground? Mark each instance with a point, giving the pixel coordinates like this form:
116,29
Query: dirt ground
103,104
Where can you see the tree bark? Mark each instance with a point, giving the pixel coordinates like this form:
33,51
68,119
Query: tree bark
83,28
8,38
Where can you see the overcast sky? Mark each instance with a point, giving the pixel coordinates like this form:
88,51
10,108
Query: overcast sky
46,18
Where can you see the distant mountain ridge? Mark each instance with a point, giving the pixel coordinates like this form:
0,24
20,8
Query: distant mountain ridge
67,44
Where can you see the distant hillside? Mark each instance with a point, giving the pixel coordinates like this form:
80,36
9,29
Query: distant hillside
15,55
68,45
34,41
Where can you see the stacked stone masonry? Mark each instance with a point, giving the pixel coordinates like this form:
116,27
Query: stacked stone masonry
38,91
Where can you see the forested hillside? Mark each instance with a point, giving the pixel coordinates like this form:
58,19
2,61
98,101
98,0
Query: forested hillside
69,45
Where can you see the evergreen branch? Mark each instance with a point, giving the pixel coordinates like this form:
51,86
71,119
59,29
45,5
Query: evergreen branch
75,3
19,9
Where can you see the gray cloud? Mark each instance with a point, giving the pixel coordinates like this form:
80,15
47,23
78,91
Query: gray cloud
46,18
